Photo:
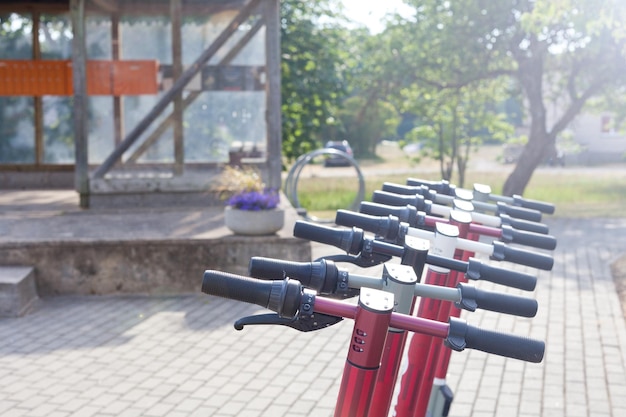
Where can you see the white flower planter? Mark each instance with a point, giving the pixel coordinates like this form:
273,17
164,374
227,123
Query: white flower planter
254,223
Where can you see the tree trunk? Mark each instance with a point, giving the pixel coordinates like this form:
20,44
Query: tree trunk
541,141
533,154
530,75
461,163
445,166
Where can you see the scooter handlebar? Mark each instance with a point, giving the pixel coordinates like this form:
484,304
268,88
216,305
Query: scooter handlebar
526,225
462,335
311,274
478,270
526,238
282,296
502,252
385,226
472,298
406,214
517,212
542,206
285,296
347,240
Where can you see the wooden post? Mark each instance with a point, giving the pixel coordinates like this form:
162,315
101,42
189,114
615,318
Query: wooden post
37,100
271,14
118,104
81,131
177,69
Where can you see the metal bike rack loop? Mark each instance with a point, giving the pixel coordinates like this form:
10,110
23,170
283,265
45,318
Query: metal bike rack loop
291,182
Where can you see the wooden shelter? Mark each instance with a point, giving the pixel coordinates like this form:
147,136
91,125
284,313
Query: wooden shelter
160,93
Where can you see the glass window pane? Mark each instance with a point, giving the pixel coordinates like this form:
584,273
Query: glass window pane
220,120
17,130
227,113
98,30
58,130
146,39
55,36
161,149
16,41
101,135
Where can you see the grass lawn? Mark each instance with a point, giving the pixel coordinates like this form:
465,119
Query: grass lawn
575,191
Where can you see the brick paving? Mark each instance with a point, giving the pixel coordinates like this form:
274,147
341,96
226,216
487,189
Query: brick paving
579,317
180,356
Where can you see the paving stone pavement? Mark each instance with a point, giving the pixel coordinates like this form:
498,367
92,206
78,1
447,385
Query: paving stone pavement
180,356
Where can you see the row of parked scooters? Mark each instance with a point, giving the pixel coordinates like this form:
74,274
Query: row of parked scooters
434,242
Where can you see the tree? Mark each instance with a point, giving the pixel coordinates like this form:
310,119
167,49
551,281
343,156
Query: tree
365,125
455,108
568,56
565,52
313,80
452,122
371,113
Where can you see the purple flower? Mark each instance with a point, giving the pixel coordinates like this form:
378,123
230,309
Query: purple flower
255,200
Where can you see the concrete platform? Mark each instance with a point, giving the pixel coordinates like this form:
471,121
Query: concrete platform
130,250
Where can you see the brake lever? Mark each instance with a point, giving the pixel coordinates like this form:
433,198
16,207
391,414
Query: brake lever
364,260
305,323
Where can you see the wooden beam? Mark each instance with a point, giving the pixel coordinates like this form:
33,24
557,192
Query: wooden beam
163,126
191,97
37,100
162,8
79,78
178,86
118,103
177,69
242,42
107,5
23,7
271,15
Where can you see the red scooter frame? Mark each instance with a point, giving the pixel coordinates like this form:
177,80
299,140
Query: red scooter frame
373,315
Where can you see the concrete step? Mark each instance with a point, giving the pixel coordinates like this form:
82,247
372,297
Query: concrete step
18,292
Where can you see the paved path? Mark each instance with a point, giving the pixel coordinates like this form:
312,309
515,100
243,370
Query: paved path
180,356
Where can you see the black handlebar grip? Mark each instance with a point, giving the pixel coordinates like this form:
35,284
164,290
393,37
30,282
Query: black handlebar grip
401,189
461,336
535,240
349,241
281,296
442,187
496,301
542,206
406,214
391,199
477,270
519,212
521,224
277,269
386,227
311,274
502,252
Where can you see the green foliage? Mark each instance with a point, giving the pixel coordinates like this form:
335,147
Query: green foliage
452,122
313,82
365,125
559,54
